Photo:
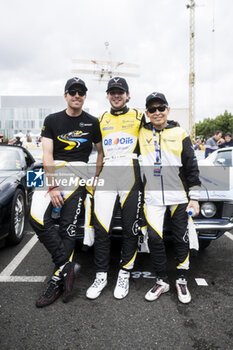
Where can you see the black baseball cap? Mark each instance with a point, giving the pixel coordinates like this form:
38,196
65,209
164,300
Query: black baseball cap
119,83
75,81
156,96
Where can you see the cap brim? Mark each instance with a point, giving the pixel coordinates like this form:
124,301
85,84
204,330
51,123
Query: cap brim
81,85
116,87
155,99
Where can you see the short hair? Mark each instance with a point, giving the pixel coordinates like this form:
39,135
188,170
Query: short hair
218,132
228,134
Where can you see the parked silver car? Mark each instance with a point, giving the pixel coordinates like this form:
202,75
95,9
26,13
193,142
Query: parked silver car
216,202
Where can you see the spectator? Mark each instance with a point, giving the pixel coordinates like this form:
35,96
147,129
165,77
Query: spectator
228,141
199,146
18,142
213,142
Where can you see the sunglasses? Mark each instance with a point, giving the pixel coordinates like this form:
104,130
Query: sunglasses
116,92
154,109
74,92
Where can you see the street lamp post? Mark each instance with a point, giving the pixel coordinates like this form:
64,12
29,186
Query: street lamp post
191,7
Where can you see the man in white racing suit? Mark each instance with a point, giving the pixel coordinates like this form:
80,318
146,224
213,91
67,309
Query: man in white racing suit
121,174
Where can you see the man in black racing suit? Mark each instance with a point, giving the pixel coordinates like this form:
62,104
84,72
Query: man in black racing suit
67,143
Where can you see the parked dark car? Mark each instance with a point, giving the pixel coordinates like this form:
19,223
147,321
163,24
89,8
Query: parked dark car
15,197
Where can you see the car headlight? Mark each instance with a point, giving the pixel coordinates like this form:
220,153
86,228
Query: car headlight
208,209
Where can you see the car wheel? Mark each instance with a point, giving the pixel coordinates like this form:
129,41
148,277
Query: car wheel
17,218
204,243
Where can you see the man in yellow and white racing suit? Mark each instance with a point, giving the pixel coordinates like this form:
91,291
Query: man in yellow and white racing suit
121,175
172,183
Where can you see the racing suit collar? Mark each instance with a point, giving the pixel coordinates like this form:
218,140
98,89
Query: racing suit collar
170,124
120,112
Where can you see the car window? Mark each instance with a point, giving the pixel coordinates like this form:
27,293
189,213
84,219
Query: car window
27,159
10,159
224,158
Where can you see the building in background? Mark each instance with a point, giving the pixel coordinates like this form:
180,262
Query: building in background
180,115
25,114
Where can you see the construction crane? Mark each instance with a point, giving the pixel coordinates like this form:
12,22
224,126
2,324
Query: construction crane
191,7
105,70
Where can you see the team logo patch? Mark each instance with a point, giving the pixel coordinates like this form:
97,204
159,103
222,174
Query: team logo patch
127,126
108,128
73,139
186,237
35,178
166,140
84,124
148,141
71,230
136,229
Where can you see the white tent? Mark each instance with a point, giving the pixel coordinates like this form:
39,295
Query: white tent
19,134
32,135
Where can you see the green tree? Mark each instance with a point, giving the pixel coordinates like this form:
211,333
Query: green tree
208,126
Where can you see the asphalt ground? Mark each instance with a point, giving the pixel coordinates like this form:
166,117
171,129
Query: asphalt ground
106,323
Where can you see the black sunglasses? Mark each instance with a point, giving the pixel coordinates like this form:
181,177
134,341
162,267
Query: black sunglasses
154,109
116,92
74,92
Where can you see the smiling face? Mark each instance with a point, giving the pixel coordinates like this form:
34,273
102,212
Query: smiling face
118,98
218,136
75,98
227,138
158,117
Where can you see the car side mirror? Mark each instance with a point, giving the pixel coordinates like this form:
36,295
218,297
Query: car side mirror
221,161
36,165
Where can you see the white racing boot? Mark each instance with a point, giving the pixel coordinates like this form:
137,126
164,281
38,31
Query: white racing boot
122,285
98,285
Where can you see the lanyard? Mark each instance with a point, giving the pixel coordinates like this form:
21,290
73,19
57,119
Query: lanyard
157,146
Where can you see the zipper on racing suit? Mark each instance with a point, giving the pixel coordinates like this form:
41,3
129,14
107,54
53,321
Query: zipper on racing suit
159,157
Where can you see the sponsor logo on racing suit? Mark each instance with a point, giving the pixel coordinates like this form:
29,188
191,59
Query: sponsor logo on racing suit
136,229
122,141
71,230
73,139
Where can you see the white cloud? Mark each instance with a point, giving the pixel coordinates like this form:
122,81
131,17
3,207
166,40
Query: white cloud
38,41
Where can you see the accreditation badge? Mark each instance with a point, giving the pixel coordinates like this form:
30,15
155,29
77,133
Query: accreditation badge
157,169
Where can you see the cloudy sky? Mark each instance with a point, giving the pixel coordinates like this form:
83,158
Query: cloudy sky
39,39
